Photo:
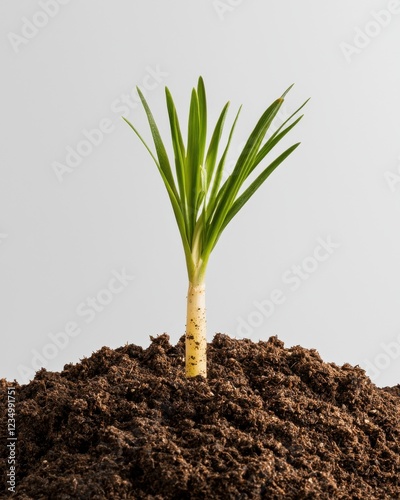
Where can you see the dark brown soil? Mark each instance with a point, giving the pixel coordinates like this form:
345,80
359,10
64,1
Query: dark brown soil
269,422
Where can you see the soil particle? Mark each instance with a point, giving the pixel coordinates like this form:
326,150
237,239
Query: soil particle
268,423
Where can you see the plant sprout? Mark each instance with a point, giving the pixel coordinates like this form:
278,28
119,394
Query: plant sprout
202,202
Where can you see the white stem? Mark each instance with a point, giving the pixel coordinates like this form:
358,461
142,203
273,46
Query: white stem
196,331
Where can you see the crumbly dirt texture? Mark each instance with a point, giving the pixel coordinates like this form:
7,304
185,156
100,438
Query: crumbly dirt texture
268,423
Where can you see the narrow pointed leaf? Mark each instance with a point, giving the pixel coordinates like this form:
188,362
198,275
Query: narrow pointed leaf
287,91
278,135
179,151
288,119
216,193
202,102
212,152
143,141
192,161
272,142
160,148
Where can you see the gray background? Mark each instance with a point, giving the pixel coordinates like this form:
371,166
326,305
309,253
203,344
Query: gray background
61,242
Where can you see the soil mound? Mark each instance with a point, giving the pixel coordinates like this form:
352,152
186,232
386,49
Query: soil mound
268,423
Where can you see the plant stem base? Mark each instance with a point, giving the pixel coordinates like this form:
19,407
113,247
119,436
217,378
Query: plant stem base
196,332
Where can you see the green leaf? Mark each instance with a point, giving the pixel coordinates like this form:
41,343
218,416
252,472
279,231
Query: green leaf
192,162
179,151
216,194
212,152
143,141
160,148
290,117
271,143
278,135
202,103
287,91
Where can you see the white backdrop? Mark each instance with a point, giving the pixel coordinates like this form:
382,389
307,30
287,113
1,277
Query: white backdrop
89,251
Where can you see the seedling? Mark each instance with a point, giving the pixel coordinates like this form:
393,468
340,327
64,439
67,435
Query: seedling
204,203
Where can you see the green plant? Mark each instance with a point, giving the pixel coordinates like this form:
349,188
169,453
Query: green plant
202,202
